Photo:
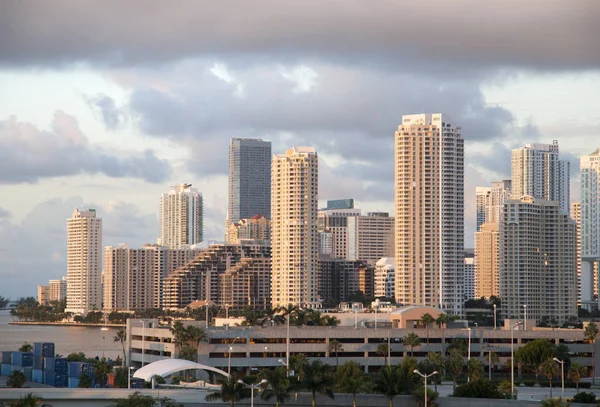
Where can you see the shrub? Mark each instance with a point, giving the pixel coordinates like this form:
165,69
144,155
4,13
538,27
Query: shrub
481,389
584,397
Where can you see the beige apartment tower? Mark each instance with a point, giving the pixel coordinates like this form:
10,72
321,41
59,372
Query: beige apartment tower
84,262
538,260
57,289
181,217
429,202
487,260
294,205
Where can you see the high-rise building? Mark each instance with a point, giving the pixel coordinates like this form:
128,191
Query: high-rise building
42,294
181,217
370,237
538,172
590,225
57,289
576,216
340,203
469,276
429,202
490,201
538,260
133,278
482,195
338,279
247,283
487,260
385,278
335,222
294,204
84,262
256,228
249,179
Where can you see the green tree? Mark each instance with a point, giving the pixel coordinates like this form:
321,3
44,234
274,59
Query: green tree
419,394
16,379
549,368
4,302
76,357
298,364
335,346
427,319
383,350
29,400
318,380
85,381
442,321
121,379
576,372
475,369
437,362
279,385
26,347
388,383
139,400
534,353
480,389
101,371
590,334
411,340
121,336
555,403
455,363
505,388
231,391
329,320
351,379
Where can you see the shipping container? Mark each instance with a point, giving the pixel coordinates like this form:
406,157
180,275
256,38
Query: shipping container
56,380
137,383
22,358
28,371
73,382
45,349
55,365
37,376
6,358
38,362
5,369
77,368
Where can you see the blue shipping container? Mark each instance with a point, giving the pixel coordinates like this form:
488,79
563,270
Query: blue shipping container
37,376
28,373
137,383
38,362
45,349
56,380
73,382
55,365
22,358
6,358
5,369
77,368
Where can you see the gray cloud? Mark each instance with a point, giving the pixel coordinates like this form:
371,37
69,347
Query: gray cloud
105,109
441,35
4,213
28,154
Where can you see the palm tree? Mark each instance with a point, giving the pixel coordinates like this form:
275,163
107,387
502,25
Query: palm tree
388,383
179,334
30,400
329,320
298,363
335,346
576,372
272,314
590,334
121,336
351,379
427,319
231,391
475,369
437,363
279,385
411,340
442,320
26,348
382,350
101,371
318,379
455,362
549,369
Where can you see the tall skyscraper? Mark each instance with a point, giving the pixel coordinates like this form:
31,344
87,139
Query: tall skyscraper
84,262
249,179
487,259
429,201
490,201
294,205
538,172
469,275
371,237
482,195
538,260
181,217
590,224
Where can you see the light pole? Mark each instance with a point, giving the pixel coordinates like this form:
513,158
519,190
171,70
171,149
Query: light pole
287,348
562,376
469,353
376,315
252,387
206,306
129,376
512,358
103,347
229,356
495,324
143,341
226,316
389,361
425,376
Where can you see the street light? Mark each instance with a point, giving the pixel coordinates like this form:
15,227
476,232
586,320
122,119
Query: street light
469,353
143,341
252,387
495,325
425,376
562,376
103,347
227,316
229,356
512,358
129,376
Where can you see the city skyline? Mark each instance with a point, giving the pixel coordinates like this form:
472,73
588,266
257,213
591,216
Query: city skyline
115,123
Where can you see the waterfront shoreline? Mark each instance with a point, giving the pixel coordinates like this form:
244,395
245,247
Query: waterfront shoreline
65,324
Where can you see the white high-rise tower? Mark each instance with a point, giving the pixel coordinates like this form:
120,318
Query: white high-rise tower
294,205
181,217
590,223
538,172
84,262
429,180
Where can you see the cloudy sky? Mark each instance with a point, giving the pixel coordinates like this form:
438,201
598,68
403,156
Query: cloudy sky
106,104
